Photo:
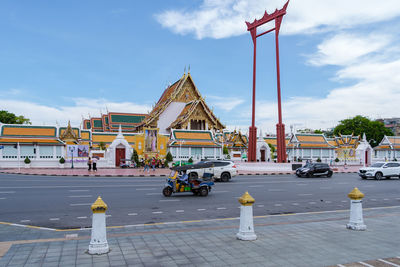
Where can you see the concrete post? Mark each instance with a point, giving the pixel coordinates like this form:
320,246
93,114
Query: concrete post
356,216
98,242
246,229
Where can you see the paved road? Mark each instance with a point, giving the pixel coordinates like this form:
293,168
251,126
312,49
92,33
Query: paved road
64,202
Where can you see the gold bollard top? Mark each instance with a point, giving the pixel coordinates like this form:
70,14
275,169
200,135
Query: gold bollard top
246,199
99,206
355,194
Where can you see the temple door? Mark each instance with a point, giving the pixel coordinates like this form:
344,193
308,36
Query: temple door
262,155
366,157
119,154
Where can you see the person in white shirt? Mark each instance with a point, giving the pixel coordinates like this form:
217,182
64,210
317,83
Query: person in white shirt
94,162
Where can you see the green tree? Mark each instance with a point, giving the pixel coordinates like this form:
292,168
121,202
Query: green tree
225,150
135,157
168,157
102,145
374,130
319,131
11,118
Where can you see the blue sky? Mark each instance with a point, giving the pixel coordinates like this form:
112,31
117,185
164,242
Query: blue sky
61,60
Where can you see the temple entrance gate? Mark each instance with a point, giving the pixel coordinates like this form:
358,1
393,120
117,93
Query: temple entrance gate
119,154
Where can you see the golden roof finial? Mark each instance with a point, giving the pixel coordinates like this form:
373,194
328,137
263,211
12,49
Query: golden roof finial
246,199
99,206
356,194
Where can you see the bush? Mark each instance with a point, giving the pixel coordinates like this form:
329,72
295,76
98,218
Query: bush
394,159
135,157
190,160
168,157
225,150
318,160
336,160
27,160
62,160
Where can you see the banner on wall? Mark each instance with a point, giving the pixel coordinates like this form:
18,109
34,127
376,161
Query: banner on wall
150,140
77,151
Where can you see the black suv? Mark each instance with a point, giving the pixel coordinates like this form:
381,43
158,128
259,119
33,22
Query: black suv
314,169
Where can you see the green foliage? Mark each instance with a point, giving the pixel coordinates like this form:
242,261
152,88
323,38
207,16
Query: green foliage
272,148
225,150
318,131
190,160
11,118
336,160
168,157
135,157
318,160
62,160
27,160
358,125
102,146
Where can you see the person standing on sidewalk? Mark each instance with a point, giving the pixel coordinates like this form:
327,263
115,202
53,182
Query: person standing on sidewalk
146,165
89,163
153,164
94,164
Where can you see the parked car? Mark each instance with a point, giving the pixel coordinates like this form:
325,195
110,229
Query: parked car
314,169
223,170
379,170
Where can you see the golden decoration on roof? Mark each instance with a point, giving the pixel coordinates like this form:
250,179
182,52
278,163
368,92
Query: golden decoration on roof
99,206
246,199
355,194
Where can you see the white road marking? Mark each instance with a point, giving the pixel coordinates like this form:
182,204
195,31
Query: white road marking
340,265
275,190
23,221
295,204
278,205
388,262
386,199
222,208
326,187
398,198
81,204
152,194
328,201
303,195
157,212
260,206
83,217
168,200
145,189
180,211
3,198
78,190
132,214
82,196
373,199
7,192
365,264
344,201
54,219
342,183
108,215
221,191
256,186
301,184
368,185
312,202
201,209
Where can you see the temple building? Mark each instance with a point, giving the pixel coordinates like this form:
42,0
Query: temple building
388,149
312,147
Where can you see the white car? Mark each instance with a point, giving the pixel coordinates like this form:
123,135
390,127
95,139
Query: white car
223,170
380,169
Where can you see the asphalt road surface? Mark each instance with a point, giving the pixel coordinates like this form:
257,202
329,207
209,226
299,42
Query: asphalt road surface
64,202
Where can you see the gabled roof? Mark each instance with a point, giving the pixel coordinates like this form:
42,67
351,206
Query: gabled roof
192,138
300,140
26,140
171,94
14,130
389,142
272,140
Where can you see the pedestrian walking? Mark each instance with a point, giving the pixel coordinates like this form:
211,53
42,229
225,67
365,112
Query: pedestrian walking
153,164
89,163
94,162
146,165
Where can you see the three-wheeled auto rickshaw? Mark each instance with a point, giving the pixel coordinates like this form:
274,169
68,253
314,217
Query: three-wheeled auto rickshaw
178,181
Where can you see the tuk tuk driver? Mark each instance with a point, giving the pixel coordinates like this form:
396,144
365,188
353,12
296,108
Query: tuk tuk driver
184,177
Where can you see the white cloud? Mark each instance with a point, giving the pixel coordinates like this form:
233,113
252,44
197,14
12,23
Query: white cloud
46,115
224,103
345,48
226,18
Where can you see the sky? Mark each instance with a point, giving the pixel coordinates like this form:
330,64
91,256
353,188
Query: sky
65,60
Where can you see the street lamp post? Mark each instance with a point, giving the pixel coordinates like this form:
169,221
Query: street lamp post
72,150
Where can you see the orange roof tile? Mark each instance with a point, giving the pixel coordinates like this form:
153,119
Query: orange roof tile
193,135
311,138
5,140
38,131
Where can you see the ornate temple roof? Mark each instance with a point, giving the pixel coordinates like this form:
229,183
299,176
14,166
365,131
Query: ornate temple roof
192,138
389,142
300,140
27,134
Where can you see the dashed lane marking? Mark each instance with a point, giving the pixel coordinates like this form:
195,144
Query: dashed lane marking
312,202
222,208
221,191
152,194
82,196
7,192
145,189
301,184
277,205
79,190
54,219
260,206
81,204
256,186
328,202
201,209
388,262
325,187
373,199
386,199
24,221
157,212
303,195
3,198
344,201
295,204
169,200
132,214
180,211
82,217
275,190
343,183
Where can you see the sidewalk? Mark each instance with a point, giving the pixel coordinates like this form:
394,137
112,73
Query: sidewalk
308,239
243,169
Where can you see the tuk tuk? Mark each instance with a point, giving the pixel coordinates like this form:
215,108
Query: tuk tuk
179,182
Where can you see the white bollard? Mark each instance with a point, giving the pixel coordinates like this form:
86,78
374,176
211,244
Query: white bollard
246,229
356,216
98,242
